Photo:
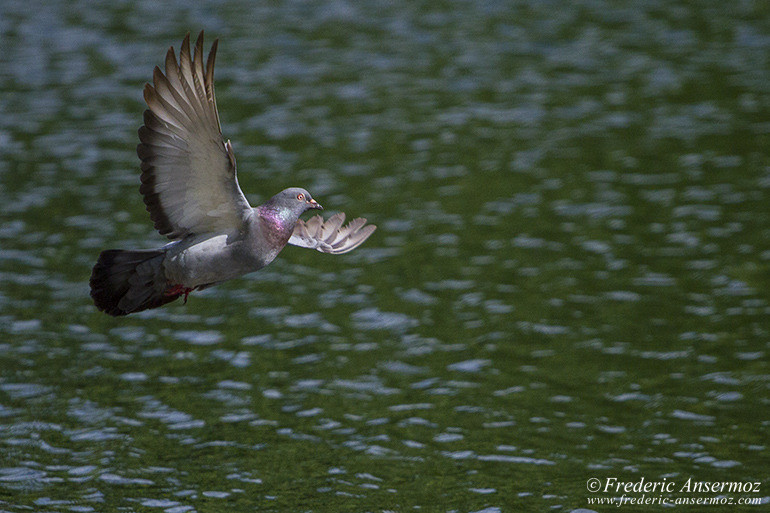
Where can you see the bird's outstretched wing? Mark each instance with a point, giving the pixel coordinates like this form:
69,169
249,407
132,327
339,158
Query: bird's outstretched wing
188,177
331,236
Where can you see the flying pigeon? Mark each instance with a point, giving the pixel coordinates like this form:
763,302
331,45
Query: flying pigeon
191,191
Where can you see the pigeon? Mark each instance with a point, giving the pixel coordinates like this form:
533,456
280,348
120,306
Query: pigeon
191,191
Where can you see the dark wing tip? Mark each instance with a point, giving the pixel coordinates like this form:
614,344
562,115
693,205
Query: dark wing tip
148,93
212,56
185,48
157,75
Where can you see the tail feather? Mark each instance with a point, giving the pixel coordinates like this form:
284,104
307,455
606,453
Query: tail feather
125,282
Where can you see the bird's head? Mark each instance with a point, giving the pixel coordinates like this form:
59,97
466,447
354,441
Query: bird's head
294,200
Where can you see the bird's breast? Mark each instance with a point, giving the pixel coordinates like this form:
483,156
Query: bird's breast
274,231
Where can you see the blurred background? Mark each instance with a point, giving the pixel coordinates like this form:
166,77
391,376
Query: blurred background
569,279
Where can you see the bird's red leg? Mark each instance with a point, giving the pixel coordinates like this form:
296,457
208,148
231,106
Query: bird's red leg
174,291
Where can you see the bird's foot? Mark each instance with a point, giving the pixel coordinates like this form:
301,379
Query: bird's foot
177,290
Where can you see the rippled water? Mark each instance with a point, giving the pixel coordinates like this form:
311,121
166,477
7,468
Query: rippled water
570,278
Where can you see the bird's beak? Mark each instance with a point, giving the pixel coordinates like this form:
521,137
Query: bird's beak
314,204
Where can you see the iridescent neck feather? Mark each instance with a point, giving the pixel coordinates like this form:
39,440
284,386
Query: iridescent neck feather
279,222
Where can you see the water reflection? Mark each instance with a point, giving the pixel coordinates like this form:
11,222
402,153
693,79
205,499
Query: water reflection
568,281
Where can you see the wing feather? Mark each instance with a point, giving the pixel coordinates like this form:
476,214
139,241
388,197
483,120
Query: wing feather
199,81
331,236
330,228
312,226
210,81
169,92
189,180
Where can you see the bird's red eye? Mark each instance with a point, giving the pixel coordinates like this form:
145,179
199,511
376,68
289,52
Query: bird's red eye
300,196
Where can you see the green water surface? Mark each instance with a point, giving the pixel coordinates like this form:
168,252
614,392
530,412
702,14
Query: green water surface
569,280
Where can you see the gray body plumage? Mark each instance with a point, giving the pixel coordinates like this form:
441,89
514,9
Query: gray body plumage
202,260
190,188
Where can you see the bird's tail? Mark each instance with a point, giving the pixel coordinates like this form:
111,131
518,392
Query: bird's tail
125,282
